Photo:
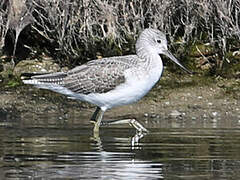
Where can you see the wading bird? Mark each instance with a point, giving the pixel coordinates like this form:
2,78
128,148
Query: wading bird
113,81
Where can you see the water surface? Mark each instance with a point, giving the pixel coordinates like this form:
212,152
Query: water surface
50,147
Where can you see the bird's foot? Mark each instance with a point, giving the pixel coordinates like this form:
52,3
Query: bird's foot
135,139
138,126
96,126
132,122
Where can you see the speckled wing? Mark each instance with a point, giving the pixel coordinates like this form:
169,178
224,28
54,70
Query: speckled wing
98,76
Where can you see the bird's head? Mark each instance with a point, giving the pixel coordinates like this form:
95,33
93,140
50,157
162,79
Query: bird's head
155,41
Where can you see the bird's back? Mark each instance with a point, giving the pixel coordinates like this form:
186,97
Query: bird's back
96,76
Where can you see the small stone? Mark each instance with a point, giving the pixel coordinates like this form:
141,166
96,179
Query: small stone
153,115
146,115
214,113
194,118
175,113
167,103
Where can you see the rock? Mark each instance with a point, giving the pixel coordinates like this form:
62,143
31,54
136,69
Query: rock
167,103
153,116
175,113
214,113
194,118
31,66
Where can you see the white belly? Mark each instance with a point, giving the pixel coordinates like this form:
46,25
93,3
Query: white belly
122,95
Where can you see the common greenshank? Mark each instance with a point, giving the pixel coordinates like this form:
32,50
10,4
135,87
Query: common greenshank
113,81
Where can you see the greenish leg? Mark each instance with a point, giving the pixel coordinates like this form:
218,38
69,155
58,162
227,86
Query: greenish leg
98,122
94,116
97,117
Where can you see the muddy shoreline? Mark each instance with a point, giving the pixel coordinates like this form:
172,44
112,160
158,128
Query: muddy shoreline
180,97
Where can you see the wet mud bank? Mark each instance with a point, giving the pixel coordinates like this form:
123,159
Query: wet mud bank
179,97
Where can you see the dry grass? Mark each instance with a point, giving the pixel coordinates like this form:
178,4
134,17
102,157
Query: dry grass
75,26
3,21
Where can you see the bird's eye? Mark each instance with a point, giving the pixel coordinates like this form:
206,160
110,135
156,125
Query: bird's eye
159,41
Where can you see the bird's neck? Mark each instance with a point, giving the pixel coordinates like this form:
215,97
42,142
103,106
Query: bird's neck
154,68
144,53
153,62
149,56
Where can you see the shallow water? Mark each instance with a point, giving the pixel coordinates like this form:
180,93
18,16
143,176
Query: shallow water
49,147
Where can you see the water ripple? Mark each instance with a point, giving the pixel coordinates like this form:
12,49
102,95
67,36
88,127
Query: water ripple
30,151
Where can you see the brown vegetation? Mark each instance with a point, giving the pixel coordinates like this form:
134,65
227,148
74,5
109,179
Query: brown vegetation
72,30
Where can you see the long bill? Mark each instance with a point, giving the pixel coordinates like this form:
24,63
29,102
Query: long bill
169,54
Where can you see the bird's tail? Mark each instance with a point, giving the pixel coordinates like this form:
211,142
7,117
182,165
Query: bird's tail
39,79
53,81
